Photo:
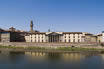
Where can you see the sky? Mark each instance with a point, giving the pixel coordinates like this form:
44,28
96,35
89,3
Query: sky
56,15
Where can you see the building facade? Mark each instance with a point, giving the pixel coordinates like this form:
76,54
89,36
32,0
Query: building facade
8,36
13,35
55,37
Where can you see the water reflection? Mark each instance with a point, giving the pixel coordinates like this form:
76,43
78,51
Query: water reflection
56,56
14,55
59,56
51,60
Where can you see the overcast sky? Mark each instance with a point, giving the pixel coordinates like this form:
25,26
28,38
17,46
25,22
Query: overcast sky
57,15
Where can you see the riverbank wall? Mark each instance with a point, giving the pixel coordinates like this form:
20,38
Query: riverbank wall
26,44
57,47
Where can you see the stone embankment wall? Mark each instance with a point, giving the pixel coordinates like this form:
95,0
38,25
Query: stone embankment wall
25,44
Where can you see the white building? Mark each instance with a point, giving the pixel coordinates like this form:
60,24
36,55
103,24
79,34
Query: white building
67,37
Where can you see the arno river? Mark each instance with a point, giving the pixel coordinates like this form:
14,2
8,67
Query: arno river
50,60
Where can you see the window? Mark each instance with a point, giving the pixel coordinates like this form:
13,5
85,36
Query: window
38,40
69,36
73,40
42,36
78,35
65,40
73,35
42,40
69,41
78,40
65,36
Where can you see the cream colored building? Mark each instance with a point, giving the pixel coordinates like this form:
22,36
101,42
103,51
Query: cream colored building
100,37
90,37
67,37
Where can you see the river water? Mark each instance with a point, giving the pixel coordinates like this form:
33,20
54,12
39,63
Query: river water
50,60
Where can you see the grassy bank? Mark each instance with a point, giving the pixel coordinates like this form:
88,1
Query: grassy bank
79,49
55,48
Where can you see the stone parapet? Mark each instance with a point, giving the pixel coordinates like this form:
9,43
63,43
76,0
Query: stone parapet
26,44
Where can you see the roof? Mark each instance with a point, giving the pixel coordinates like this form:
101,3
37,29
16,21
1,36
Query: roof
88,34
99,35
72,32
37,32
13,32
1,29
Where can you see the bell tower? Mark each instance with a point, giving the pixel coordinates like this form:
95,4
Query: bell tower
31,26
